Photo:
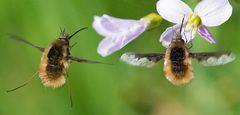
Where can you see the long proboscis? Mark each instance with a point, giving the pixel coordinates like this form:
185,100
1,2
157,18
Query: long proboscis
76,32
182,24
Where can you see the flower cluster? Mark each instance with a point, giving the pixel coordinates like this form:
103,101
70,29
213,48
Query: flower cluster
119,32
206,13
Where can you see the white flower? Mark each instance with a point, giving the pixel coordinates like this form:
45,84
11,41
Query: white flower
119,32
206,13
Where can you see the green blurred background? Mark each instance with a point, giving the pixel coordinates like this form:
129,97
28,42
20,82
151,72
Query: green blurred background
109,90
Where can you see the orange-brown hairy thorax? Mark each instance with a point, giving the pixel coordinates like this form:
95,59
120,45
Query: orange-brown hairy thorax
54,64
178,64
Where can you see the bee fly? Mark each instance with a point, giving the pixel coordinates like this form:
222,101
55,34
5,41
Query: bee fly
178,60
55,60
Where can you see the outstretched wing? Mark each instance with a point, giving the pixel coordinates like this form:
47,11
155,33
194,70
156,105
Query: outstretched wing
26,42
142,60
213,58
85,60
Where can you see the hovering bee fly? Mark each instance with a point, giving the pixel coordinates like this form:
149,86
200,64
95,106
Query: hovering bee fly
178,60
55,60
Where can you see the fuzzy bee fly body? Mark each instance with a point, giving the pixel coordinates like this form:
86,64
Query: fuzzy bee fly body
178,60
55,60
178,64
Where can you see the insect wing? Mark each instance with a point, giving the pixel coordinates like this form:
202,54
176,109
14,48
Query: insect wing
26,42
76,59
213,58
142,60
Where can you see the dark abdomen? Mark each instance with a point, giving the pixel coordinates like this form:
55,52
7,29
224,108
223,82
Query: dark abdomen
54,67
177,56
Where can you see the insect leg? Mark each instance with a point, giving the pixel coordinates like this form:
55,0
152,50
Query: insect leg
190,45
185,37
72,45
24,84
69,91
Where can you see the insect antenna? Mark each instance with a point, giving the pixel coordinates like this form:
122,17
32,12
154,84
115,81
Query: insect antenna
24,84
76,32
62,30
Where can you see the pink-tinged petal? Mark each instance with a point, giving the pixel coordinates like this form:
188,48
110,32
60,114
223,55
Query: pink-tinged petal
173,10
107,25
204,32
106,47
101,28
167,36
170,32
115,42
214,12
